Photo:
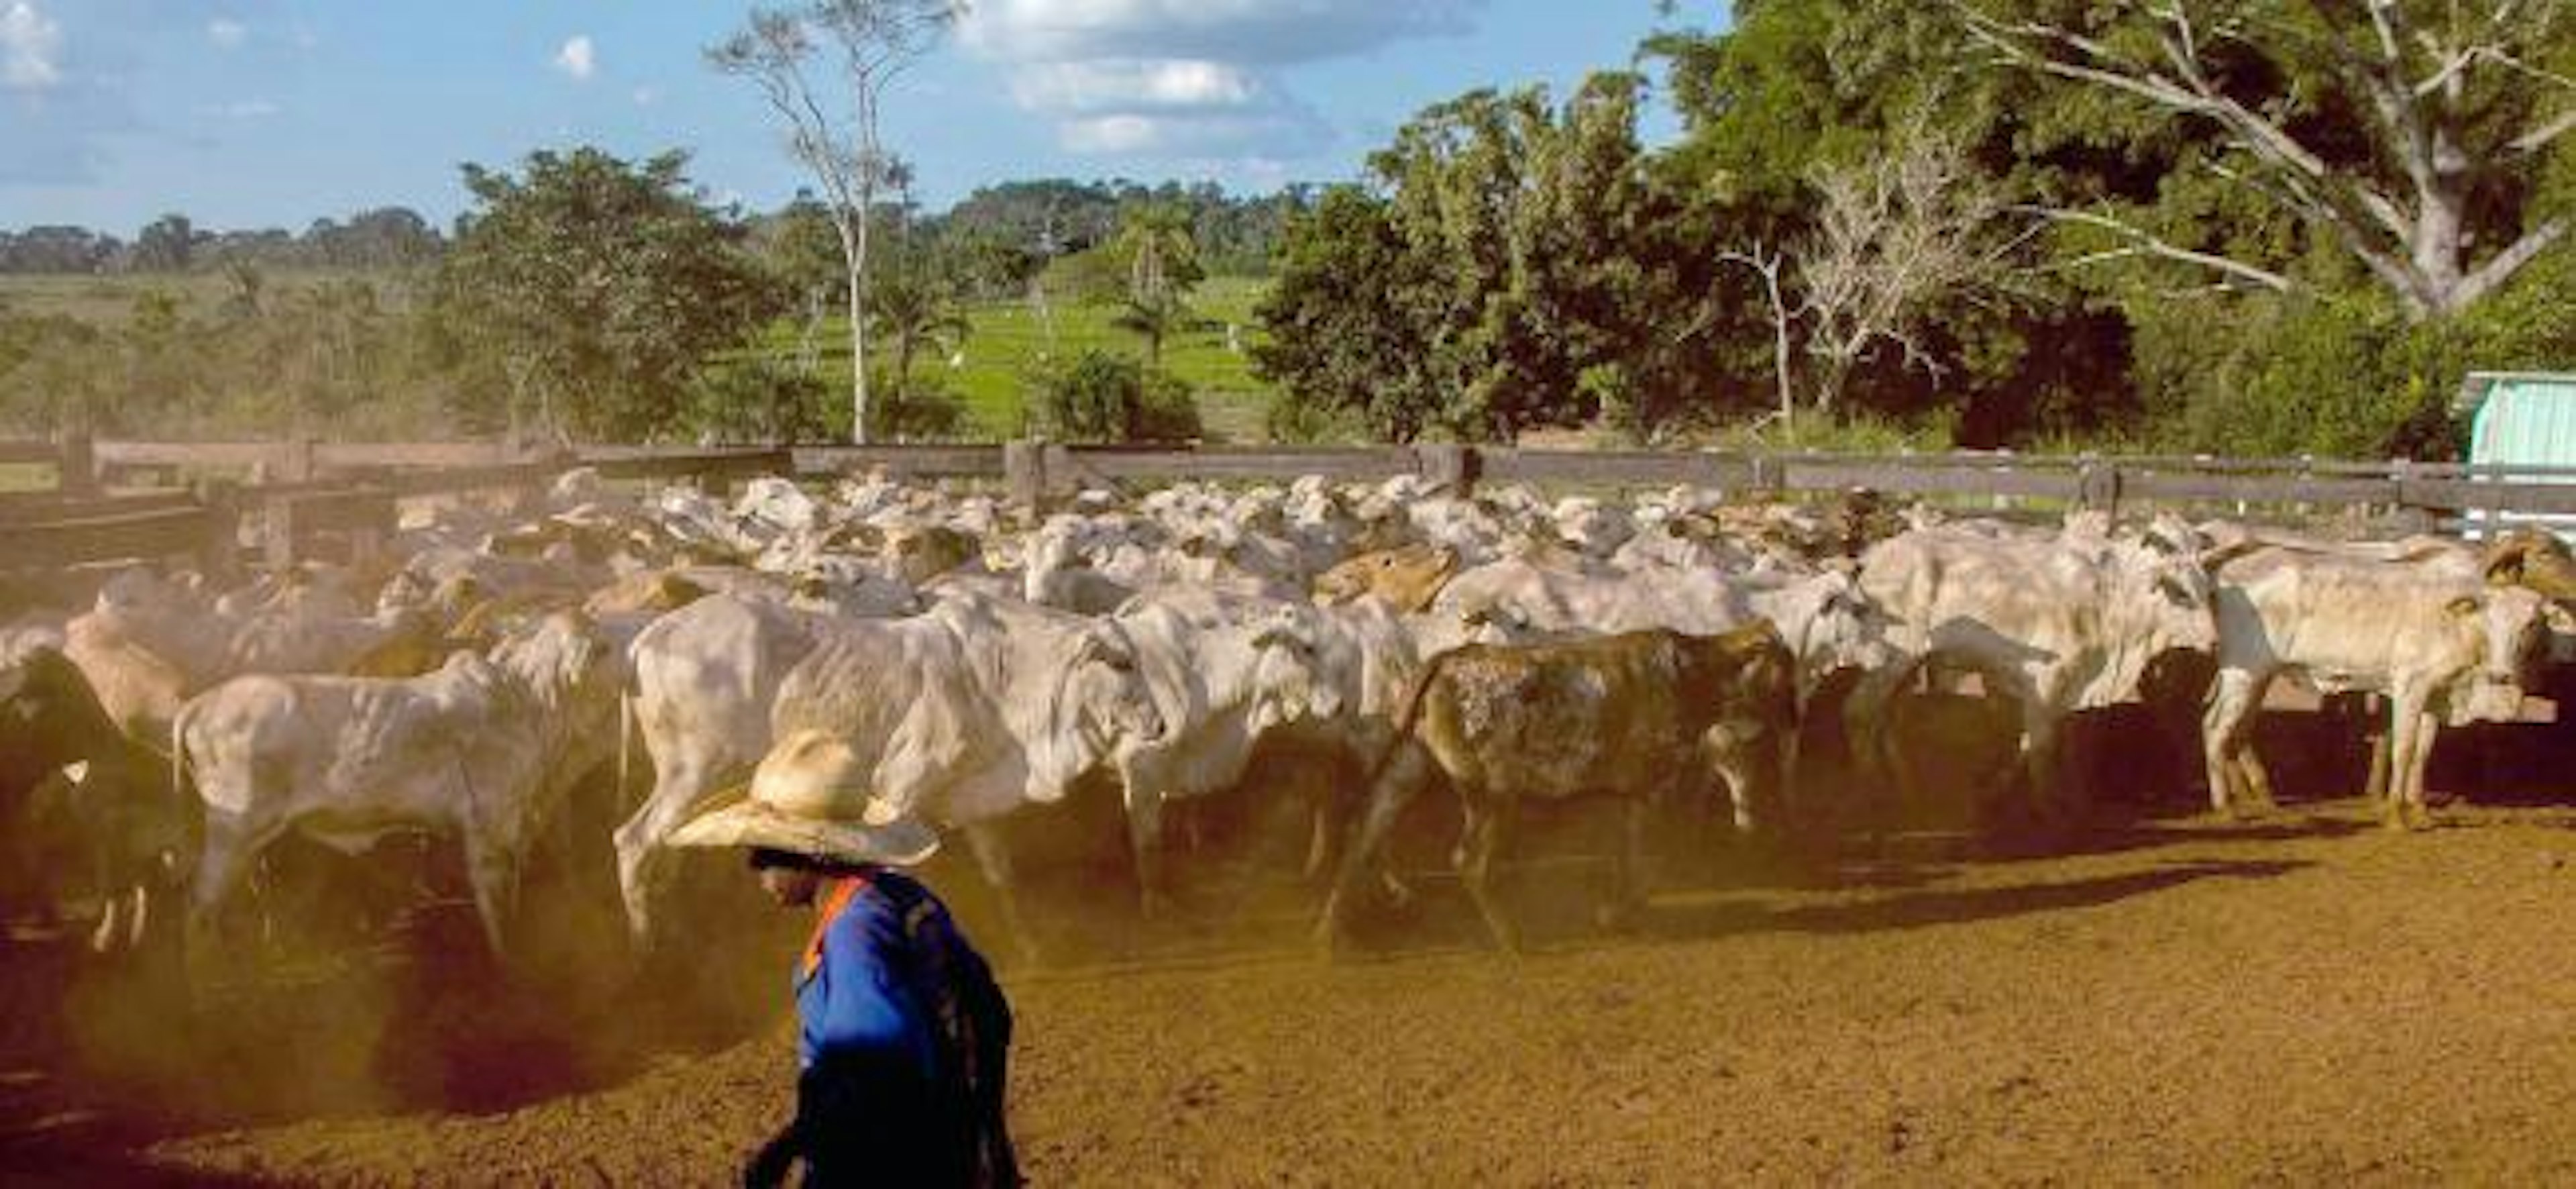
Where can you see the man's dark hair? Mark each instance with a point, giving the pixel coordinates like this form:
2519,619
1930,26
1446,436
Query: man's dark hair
762,858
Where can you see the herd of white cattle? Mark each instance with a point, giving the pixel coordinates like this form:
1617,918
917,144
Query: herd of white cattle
965,659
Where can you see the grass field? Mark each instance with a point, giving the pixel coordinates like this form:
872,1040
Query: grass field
990,374
1007,339
108,301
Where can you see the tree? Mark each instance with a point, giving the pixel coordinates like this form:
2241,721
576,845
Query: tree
1162,267
1341,318
1897,236
916,307
600,285
2407,133
166,244
875,41
1512,277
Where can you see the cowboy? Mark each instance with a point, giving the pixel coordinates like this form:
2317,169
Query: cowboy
902,1033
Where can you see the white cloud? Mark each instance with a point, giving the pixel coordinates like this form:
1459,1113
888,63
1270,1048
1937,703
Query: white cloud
1255,31
227,33
1195,78
646,96
31,46
577,58
1096,86
247,109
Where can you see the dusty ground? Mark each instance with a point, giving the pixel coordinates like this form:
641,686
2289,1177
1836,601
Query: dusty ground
2306,998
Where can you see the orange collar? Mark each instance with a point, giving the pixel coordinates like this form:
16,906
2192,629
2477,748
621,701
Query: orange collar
844,889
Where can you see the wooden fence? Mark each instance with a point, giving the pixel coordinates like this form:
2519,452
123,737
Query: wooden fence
299,492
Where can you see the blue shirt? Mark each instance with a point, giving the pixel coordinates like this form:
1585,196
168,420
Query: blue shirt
902,1042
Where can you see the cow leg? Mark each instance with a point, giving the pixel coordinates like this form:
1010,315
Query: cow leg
1870,734
2233,699
1628,890
1485,840
2381,740
1145,841
641,861
1404,774
2411,730
232,846
2043,761
1324,802
993,858
492,866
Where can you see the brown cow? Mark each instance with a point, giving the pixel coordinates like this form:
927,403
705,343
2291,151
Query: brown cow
1643,715
1407,577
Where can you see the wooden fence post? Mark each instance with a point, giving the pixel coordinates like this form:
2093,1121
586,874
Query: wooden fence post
1058,478
2097,485
300,458
1448,465
277,534
77,473
1024,473
219,555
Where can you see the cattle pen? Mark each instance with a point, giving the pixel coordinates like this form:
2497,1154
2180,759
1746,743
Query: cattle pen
110,500
1858,990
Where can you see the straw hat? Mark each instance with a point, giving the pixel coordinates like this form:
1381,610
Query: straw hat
810,797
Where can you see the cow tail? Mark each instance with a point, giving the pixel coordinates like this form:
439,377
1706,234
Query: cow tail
625,746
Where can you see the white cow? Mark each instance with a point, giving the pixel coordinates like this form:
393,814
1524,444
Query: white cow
2057,625
2429,634
704,678
970,710
483,748
1223,671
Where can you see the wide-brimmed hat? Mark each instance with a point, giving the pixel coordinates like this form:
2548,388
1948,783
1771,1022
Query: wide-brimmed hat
809,797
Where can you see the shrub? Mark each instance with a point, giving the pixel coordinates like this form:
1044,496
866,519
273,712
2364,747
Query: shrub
1100,396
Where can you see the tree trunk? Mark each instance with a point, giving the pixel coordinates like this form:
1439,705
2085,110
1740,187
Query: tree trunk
854,251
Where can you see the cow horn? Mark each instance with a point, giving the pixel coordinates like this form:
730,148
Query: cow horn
2505,559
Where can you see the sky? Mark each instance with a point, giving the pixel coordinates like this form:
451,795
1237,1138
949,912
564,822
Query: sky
274,113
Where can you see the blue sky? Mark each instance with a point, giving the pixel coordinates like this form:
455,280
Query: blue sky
259,113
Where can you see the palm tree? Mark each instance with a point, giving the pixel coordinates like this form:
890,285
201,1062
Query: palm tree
1154,318
916,307
1162,266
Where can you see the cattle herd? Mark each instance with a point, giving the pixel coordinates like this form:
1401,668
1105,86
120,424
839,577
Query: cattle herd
962,659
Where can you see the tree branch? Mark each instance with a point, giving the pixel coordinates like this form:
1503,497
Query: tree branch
2143,241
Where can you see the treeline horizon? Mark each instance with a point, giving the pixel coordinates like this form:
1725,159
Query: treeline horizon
1043,217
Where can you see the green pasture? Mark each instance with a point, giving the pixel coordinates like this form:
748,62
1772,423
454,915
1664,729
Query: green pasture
108,301
1007,340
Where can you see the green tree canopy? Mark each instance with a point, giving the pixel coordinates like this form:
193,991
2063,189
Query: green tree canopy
600,285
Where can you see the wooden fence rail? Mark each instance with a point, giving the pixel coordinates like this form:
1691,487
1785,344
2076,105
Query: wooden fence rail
349,491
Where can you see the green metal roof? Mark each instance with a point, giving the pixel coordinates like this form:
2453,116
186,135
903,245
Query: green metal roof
2521,417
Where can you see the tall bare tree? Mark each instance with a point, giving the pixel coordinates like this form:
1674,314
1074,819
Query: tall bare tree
1896,237
2455,100
825,68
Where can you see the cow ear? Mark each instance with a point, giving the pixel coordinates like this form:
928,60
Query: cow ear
2505,562
2463,605
1097,650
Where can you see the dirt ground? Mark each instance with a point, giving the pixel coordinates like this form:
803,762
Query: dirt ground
2304,998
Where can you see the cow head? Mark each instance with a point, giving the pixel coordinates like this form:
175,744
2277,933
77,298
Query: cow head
1407,576
921,554
2172,600
567,666
2533,559
1292,676
1845,630
1102,700
2511,624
